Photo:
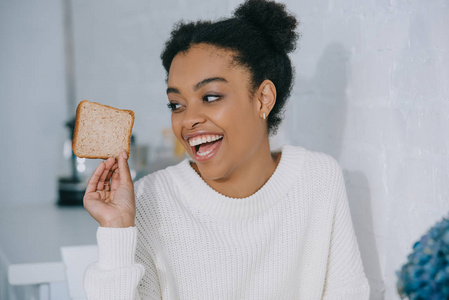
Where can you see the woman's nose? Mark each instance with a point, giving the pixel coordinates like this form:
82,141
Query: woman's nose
192,117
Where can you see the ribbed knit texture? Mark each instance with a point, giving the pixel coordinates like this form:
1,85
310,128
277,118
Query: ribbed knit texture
292,239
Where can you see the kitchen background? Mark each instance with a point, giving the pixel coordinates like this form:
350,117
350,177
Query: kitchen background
371,89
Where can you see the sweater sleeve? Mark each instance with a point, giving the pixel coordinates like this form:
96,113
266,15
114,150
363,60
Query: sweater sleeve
115,275
345,277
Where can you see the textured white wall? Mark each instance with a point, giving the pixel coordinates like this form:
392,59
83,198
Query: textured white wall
372,90
32,99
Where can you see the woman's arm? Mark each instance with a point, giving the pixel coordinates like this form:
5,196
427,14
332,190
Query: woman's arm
115,275
345,277
125,270
110,199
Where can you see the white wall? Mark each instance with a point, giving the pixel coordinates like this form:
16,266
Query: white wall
372,89
32,99
117,49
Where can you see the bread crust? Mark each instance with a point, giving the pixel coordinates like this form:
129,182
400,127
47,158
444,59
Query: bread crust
77,128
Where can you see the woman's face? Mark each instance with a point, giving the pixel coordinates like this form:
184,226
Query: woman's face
214,114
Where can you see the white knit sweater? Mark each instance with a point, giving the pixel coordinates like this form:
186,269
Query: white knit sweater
292,239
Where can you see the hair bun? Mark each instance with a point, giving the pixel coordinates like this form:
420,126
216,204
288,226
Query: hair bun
272,20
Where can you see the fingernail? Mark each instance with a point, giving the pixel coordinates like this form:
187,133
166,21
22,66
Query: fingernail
125,155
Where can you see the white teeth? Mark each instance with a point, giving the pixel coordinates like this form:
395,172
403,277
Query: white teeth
203,139
204,153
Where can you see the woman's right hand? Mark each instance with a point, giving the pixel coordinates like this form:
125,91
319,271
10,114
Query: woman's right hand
109,196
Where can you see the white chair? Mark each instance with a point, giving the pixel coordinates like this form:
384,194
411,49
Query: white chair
76,259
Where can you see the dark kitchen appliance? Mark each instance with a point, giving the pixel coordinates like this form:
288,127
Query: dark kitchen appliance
72,182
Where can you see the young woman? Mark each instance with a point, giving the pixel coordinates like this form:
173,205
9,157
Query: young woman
236,221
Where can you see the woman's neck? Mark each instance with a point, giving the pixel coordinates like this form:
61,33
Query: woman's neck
249,178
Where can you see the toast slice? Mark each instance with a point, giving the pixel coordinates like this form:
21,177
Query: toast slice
101,131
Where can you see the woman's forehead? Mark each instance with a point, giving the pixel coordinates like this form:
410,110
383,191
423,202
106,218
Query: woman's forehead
204,61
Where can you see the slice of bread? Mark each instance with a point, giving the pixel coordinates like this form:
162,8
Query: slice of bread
101,131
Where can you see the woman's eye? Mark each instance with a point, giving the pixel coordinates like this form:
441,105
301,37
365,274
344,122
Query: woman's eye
173,106
211,98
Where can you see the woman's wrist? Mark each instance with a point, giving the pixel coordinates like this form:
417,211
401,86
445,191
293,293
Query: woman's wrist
118,223
116,246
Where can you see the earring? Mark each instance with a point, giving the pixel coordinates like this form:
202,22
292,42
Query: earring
264,116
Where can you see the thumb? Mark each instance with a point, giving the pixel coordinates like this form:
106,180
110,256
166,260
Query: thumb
125,174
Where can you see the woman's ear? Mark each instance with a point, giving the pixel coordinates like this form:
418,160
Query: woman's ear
267,98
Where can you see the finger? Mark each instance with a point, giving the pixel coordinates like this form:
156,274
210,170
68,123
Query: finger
123,168
93,181
115,180
106,186
111,171
109,163
108,183
103,195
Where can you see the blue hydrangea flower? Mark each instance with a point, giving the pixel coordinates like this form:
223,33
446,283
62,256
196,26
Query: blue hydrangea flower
425,276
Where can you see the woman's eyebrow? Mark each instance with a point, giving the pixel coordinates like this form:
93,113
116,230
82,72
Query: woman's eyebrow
198,85
172,90
208,80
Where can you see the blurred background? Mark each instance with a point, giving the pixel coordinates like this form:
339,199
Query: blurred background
371,89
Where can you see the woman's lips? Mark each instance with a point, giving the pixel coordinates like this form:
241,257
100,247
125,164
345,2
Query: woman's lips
206,151
203,144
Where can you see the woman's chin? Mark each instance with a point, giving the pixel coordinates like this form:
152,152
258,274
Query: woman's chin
210,172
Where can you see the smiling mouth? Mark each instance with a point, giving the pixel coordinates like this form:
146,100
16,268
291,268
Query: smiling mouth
204,145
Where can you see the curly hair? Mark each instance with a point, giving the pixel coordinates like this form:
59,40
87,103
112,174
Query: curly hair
261,34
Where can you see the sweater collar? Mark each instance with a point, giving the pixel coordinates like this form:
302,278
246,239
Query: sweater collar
201,197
